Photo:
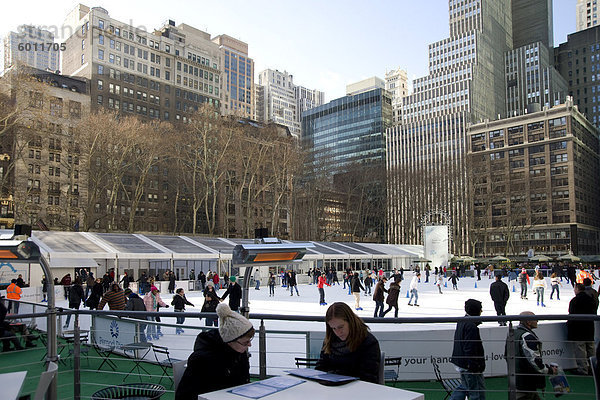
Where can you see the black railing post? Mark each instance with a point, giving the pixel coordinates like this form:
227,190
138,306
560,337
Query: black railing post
510,363
262,350
76,359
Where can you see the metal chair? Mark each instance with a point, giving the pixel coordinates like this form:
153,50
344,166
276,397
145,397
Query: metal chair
391,374
165,362
105,354
449,384
306,362
45,379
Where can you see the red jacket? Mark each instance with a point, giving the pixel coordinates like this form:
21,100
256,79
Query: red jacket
322,281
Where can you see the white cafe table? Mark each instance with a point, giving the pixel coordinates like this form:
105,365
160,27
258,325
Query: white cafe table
359,390
11,384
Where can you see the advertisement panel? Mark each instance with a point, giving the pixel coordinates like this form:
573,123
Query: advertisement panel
436,245
9,271
113,332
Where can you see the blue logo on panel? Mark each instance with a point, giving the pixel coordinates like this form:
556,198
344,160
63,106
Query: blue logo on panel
114,329
9,265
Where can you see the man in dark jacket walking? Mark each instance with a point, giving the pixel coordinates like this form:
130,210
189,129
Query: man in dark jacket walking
582,332
499,293
468,355
234,291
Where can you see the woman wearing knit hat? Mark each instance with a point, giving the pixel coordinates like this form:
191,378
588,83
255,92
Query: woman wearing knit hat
220,358
349,348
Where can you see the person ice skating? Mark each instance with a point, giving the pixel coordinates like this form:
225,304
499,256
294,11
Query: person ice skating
171,287
392,298
414,293
555,283
271,284
211,301
45,288
539,286
257,279
76,296
356,287
379,296
322,281
291,281
499,293
523,280
115,298
234,291
368,281
454,279
348,348
136,303
152,301
220,357
468,355
440,283
179,302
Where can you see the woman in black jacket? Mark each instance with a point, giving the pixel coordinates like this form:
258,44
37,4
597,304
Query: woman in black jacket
179,302
97,292
211,301
76,296
349,348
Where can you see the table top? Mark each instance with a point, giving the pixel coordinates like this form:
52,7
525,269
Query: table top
137,346
310,389
11,384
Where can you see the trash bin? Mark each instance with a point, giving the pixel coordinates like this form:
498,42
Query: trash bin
137,391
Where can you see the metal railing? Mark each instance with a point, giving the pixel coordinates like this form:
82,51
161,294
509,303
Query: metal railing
277,347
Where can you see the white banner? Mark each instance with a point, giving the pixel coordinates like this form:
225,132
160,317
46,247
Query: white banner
418,348
436,245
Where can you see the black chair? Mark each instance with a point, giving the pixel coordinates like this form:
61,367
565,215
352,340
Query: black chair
449,384
165,361
105,353
149,391
596,375
391,374
306,362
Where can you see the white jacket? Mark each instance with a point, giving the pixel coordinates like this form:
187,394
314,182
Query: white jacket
414,282
539,283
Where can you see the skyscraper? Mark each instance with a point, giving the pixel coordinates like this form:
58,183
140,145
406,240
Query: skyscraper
279,99
238,69
578,61
586,14
396,82
426,153
32,46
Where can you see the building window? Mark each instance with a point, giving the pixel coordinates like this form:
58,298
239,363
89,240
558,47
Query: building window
101,24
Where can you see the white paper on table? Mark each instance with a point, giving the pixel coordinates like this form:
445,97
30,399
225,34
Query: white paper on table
305,372
282,382
254,390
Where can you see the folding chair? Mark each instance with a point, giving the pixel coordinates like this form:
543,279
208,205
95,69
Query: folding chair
391,374
165,362
449,384
105,353
306,362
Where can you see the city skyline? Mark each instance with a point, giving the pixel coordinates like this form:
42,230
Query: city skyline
326,54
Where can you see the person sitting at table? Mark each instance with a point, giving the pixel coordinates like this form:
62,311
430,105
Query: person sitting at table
220,358
349,348
6,334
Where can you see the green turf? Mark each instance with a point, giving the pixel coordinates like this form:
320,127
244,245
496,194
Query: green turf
93,380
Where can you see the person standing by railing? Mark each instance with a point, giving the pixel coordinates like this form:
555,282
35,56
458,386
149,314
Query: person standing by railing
530,369
468,355
13,293
581,333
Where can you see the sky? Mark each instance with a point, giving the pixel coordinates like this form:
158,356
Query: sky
325,45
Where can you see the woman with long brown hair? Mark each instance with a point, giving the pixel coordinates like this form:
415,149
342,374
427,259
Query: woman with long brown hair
349,348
